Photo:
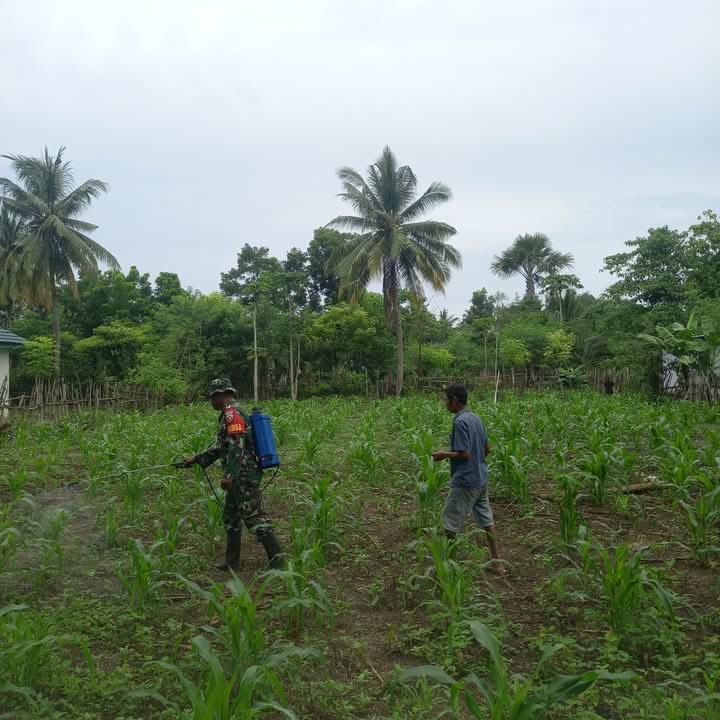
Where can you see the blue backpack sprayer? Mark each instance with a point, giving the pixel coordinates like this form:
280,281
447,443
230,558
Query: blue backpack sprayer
266,452
265,449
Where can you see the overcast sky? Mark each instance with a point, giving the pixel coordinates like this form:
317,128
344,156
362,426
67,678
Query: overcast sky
220,123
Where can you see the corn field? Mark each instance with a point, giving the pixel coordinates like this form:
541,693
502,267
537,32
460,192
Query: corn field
608,519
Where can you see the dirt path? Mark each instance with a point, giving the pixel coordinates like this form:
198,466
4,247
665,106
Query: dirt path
79,561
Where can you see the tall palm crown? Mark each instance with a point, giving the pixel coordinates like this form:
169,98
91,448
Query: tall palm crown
393,242
10,234
54,243
531,256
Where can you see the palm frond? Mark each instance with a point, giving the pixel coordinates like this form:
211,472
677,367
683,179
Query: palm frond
80,198
80,225
20,201
351,222
435,195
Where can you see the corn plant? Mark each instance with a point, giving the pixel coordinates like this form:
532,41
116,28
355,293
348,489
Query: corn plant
322,518
167,540
311,444
365,459
241,632
628,593
568,489
50,529
703,520
302,593
450,582
27,645
596,467
132,492
501,696
9,538
16,481
510,460
429,482
210,526
243,694
139,579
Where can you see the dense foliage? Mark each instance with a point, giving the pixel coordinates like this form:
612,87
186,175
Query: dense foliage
318,328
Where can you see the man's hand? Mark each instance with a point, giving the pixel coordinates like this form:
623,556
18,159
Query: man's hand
440,455
188,461
226,483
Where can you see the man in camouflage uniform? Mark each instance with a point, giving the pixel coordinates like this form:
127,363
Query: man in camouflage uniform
235,448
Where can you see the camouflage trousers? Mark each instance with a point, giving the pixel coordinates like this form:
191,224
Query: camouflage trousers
244,506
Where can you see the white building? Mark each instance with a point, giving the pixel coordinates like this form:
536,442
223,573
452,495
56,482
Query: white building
8,341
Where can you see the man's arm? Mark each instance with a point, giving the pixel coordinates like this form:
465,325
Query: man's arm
205,458
461,443
208,457
463,455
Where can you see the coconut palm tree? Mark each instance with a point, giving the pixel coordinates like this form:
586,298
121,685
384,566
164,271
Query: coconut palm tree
54,243
392,243
10,234
530,256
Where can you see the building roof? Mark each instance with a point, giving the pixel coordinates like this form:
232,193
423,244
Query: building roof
8,339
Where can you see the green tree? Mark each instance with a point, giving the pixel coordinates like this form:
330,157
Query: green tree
703,255
167,286
445,325
55,243
11,230
324,283
653,272
561,294
530,256
241,281
482,305
112,350
350,335
393,243
559,346
102,298
38,357
514,352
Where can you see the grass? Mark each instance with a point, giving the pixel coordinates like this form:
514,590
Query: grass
110,608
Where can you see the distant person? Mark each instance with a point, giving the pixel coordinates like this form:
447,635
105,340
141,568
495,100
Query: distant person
243,501
469,447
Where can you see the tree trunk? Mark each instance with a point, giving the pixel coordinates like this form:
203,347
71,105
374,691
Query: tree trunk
292,372
485,367
293,392
56,327
529,286
497,374
297,368
255,356
400,350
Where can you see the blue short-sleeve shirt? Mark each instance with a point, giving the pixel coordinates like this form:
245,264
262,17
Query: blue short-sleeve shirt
468,434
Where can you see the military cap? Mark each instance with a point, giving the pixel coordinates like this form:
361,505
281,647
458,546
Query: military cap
219,385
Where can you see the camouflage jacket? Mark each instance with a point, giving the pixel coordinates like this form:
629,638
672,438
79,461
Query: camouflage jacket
235,446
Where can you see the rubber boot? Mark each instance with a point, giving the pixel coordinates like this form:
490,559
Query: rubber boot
273,550
232,551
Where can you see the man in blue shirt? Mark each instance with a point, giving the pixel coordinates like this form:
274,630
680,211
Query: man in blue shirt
469,447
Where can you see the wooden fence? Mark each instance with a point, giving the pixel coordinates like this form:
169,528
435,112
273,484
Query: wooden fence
51,399
4,402
608,380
